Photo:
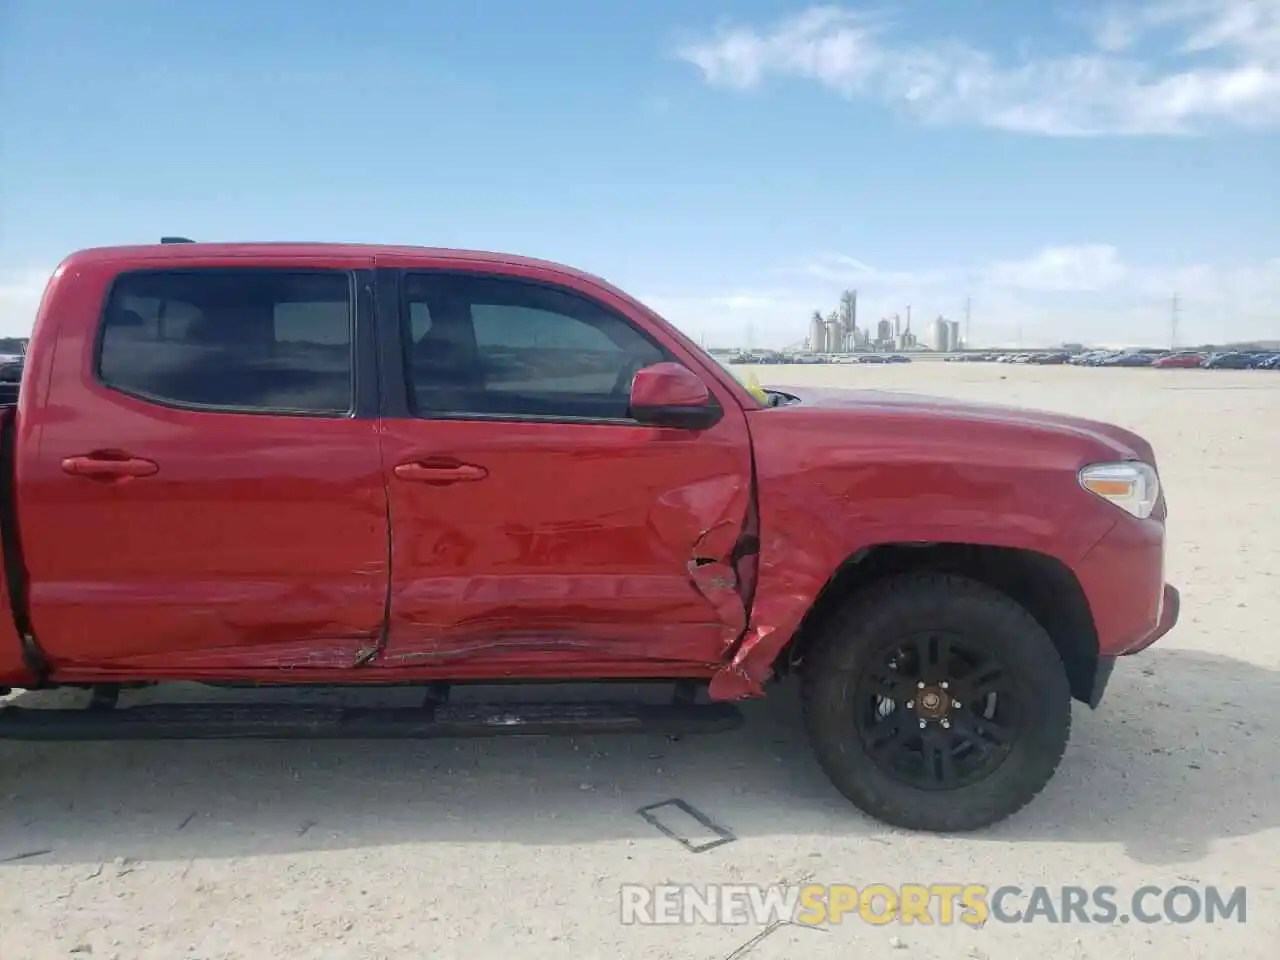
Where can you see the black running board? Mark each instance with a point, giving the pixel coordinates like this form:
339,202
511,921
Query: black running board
225,721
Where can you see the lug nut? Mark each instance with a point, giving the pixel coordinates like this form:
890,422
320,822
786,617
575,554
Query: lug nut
946,724
911,704
944,685
923,724
957,704
920,685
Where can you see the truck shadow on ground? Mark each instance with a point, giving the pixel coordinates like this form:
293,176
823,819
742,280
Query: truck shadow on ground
1182,753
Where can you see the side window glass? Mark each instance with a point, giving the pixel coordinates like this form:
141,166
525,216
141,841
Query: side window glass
419,320
254,340
503,347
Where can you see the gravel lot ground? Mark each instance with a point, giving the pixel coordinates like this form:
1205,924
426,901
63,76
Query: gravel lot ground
478,850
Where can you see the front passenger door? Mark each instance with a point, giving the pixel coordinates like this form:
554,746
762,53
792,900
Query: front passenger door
535,526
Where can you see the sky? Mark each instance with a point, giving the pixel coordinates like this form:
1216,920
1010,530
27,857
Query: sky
1065,169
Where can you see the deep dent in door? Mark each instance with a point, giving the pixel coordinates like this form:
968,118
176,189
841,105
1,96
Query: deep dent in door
722,508
718,564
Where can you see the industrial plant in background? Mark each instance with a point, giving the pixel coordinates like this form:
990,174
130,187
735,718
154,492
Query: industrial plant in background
946,335
838,332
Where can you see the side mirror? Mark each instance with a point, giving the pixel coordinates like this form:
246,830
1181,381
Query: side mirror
671,395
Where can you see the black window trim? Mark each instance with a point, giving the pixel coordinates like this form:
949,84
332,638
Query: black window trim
395,359
357,293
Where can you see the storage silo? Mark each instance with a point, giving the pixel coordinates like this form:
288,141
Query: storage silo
941,335
817,334
833,337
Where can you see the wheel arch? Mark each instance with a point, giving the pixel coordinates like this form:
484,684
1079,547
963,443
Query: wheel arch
1041,584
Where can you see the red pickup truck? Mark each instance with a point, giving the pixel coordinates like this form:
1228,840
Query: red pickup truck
340,465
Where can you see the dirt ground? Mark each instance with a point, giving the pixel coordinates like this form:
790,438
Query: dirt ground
485,849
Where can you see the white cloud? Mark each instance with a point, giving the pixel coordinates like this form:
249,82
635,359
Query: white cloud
1062,269
1144,67
828,43
1088,293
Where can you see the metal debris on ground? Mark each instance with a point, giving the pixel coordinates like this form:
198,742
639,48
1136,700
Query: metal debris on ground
719,835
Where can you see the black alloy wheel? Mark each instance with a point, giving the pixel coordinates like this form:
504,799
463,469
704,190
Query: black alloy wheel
935,702
937,711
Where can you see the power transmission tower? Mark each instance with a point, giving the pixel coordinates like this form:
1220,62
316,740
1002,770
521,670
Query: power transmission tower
1174,310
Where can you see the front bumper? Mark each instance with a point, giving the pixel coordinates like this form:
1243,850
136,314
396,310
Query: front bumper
1170,609
1122,577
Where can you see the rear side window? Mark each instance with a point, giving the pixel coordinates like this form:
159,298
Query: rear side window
254,340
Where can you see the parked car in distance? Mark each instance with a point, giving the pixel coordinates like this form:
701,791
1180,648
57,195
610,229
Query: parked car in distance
353,466
1128,360
1232,360
1096,358
11,370
1180,360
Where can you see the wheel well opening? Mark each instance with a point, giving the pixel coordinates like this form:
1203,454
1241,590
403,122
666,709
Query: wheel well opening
1044,586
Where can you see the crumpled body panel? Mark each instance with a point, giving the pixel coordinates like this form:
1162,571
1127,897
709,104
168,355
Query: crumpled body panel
601,544
844,471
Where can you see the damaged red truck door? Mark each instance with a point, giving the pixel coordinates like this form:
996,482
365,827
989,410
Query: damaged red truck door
208,496
532,517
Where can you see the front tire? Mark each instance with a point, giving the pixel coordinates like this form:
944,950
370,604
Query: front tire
936,703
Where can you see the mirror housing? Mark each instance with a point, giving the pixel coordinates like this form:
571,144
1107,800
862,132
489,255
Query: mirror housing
672,395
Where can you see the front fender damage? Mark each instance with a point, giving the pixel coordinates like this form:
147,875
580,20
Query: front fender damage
789,574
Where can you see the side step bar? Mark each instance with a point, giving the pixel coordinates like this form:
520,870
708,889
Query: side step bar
221,721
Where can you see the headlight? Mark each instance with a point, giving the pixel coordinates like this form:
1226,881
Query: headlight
1132,486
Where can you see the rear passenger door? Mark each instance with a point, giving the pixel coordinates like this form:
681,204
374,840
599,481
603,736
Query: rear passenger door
208,491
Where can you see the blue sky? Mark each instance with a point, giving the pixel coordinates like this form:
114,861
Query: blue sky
734,164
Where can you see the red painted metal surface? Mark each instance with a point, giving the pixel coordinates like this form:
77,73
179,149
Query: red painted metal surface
609,543
257,542
857,469
668,385
257,547
583,546
1123,577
